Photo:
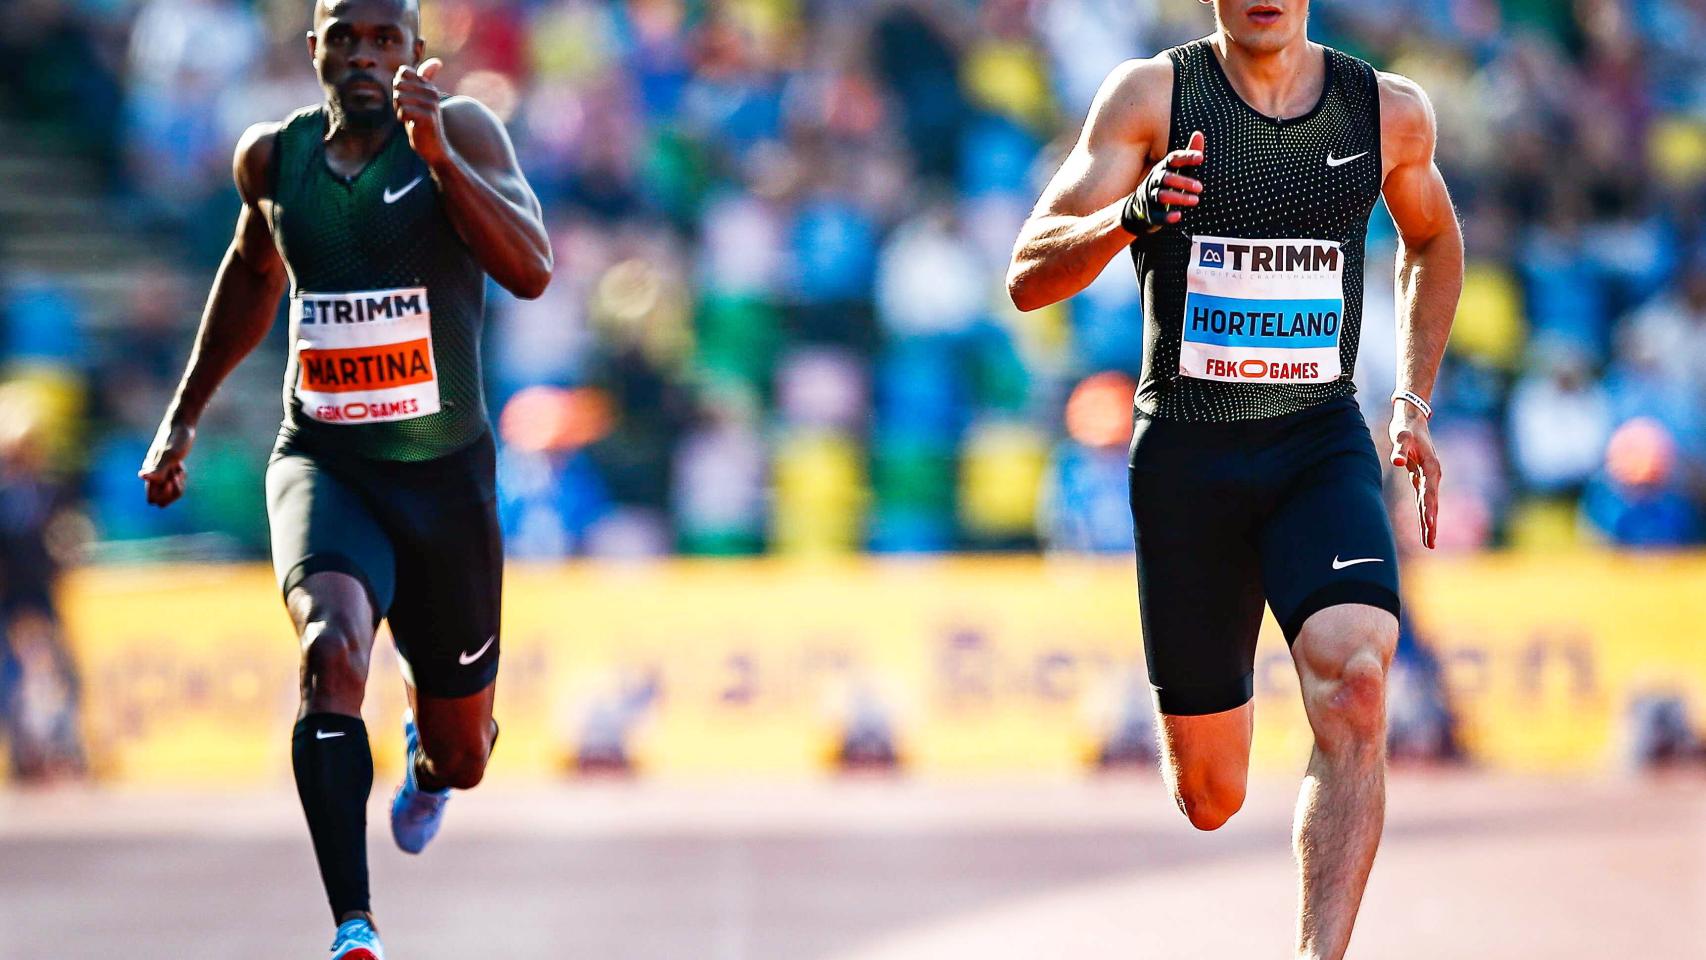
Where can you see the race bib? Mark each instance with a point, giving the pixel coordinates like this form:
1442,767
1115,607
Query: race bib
364,357
1263,311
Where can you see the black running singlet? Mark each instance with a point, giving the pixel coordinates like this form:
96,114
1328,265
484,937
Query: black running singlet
1253,303
386,304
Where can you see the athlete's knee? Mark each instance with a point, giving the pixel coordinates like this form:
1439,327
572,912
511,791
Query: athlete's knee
1347,706
1343,655
1353,707
1208,802
334,662
462,766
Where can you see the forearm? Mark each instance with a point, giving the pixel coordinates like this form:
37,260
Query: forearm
1058,256
238,314
507,238
1430,280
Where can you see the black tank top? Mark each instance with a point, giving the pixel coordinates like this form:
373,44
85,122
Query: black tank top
387,304
1253,304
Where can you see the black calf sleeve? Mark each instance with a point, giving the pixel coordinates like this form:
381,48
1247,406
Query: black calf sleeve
334,775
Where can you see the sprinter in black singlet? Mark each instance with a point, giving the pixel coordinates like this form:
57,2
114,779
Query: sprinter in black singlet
1240,171
383,209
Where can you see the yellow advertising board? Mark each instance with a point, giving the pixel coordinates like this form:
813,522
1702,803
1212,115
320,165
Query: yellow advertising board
976,666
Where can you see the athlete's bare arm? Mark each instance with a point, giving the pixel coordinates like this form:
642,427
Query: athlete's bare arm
1074,230
473,162
1430,277
239,310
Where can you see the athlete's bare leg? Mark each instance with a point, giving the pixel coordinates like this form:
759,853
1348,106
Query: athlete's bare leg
334,621
1342,656
1206,761
457,735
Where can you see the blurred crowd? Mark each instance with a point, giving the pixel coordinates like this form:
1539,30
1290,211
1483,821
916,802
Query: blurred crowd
778,322
38,529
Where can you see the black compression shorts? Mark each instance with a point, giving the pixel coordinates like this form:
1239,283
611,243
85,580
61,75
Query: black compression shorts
422,538
1286,509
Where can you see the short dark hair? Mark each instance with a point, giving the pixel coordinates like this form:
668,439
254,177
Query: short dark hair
411,10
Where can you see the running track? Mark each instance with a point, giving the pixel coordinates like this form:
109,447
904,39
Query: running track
1472,867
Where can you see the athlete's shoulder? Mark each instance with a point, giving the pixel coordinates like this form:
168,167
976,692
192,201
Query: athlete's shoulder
468,108
1403,99
1141,79
1135,102
252,162
466,115
473,129
1406,119
258,149
303,116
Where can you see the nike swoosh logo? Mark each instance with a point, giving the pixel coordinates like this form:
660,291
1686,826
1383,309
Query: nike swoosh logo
323,735
394,197
1342,564
1341,161
467,658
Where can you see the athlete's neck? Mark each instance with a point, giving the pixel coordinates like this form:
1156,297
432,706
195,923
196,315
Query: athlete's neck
349,147
1278,83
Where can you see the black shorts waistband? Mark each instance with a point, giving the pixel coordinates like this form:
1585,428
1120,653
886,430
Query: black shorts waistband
477,457
1259,426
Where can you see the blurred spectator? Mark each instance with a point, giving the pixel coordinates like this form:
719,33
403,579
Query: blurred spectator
1086,39
928,282
1087,507
38,681
918,61
1636,501
1560,418
550,493
63,71
720,476
1668,335
1420,725
178,152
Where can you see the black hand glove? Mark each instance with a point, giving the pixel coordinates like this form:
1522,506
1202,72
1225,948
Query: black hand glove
1158,200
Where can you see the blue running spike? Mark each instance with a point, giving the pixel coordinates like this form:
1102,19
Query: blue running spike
357,940
416,814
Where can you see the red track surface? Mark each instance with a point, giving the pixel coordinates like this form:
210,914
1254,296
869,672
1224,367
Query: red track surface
1472,867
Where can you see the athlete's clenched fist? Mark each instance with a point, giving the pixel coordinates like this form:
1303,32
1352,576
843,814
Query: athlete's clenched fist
416,100
1158,200
162,472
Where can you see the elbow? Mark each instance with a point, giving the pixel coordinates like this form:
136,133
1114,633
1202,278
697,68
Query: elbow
530,284
531,288
1022,291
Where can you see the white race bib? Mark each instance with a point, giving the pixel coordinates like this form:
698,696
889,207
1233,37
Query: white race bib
364,357
1263,311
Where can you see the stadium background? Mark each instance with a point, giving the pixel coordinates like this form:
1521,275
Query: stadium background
788,484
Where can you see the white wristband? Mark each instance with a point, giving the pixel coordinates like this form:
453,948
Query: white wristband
1415,400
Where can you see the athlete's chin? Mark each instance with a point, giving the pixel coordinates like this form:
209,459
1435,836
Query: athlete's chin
364,115
1264,39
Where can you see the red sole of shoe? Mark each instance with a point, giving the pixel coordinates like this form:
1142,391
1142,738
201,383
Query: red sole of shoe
359,953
